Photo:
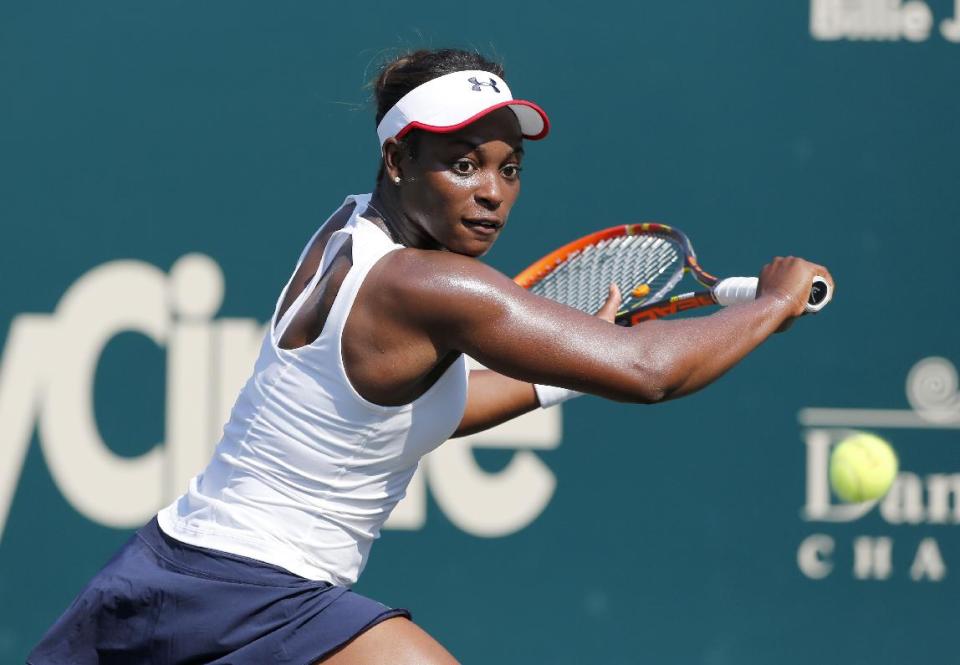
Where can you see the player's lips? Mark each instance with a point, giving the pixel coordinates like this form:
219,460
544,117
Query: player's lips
483,225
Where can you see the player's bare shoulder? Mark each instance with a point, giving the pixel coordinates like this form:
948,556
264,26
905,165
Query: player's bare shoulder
428,285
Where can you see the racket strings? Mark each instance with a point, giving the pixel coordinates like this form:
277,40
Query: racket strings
581,280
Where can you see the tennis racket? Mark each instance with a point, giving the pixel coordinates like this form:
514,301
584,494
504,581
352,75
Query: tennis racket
646,261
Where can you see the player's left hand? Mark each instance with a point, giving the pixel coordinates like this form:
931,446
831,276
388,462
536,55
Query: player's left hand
608,311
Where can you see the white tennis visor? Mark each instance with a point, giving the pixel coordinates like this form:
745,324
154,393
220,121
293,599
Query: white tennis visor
453,101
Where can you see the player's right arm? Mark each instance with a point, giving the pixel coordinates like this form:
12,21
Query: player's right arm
466,306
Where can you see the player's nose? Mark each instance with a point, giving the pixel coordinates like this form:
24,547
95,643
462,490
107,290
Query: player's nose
489,193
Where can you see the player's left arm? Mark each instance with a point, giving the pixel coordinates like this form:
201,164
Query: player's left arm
493,398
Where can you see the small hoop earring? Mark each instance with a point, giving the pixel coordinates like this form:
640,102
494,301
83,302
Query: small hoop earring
396,180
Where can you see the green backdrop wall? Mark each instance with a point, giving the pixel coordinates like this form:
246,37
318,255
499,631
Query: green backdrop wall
134,134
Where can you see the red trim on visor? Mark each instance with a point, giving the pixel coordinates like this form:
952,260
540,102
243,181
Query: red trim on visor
438,129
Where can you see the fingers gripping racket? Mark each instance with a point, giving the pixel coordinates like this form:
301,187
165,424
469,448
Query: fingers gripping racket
646,261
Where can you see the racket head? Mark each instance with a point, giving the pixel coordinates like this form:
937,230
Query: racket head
645,260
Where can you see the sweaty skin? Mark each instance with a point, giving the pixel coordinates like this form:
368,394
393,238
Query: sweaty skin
420,307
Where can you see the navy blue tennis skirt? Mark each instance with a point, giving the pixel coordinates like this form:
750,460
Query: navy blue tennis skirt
161,601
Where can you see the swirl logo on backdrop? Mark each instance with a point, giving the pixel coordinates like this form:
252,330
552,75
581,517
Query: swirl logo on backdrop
47,374
880,20
928,502
932,390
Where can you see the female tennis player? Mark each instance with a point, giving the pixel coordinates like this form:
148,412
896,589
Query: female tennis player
362,372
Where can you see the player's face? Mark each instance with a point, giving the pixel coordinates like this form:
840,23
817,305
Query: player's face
458,188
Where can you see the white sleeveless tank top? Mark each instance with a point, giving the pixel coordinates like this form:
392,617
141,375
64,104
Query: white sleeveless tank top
307,470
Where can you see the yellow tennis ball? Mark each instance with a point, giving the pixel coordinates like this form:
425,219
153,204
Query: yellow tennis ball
862,467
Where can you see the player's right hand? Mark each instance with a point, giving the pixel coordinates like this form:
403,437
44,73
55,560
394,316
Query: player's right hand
789,280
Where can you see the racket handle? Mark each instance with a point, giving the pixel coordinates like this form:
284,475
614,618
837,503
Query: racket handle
820,294
733,290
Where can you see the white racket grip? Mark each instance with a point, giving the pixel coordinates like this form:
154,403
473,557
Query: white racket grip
733,290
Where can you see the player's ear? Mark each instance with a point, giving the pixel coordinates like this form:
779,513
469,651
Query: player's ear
392,153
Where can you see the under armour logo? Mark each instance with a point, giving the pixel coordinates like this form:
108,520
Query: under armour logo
477,84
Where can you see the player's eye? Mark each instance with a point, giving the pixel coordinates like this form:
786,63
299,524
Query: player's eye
464,167
511,171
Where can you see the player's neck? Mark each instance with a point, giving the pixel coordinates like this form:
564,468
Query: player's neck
387,211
